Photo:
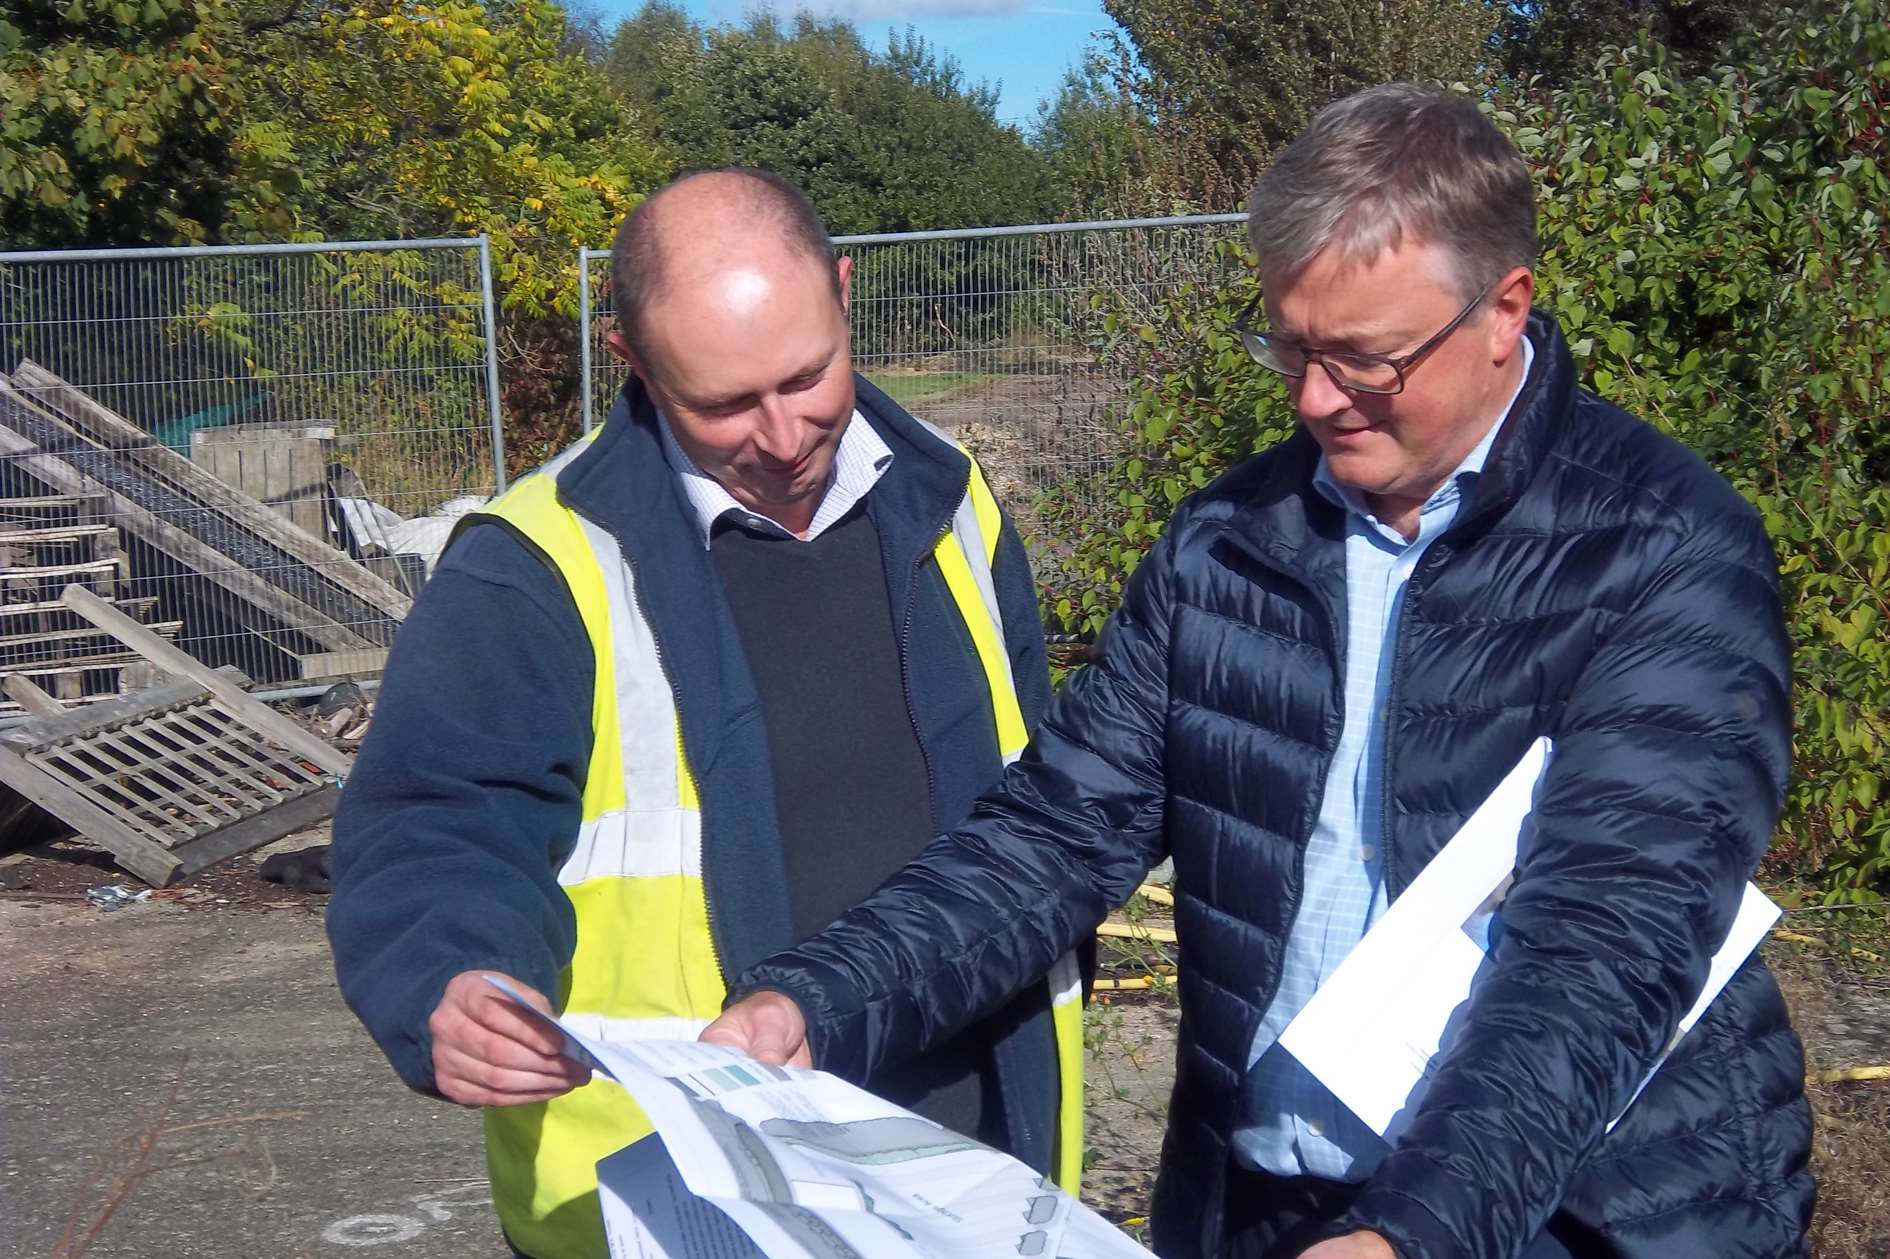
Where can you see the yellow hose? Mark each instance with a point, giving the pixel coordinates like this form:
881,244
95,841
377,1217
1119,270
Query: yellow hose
1796,938
1135,931
1845,1075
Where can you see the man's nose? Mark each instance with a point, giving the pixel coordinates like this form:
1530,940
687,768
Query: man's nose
1316,397
777,430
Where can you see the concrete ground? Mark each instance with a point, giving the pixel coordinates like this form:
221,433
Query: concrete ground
179,1078
182,1079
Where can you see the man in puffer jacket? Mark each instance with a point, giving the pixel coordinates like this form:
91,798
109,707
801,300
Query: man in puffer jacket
1332,655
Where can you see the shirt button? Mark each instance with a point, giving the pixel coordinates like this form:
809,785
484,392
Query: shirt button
1316,1128
1366,852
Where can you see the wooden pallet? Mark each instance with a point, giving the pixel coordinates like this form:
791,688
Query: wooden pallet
175,778
341,577
46,544
51,510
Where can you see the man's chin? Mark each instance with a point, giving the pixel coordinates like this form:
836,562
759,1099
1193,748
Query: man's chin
1361,472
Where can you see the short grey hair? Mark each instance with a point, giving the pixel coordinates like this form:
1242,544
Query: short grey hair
1394,163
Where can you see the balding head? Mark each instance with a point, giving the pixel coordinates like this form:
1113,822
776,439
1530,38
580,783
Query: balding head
732,313
704,222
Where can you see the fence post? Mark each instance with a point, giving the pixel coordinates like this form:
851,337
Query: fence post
584,332
492,365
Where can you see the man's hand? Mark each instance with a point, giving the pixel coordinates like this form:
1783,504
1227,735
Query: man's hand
1359,1245
488,1052
767,1026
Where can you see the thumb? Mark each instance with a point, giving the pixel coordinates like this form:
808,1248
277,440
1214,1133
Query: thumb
767,1026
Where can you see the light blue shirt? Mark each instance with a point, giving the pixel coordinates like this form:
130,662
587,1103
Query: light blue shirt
1291,1125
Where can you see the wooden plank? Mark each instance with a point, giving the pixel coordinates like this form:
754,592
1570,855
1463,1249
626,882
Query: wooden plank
208,562
94,567
340,664
31,698
239,837
251,712
168,629
10,709
150,861
142,604
107,426
80,663
106,714
44,502
54,533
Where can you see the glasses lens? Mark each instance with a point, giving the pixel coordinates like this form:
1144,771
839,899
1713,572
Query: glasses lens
1367,375
1282,358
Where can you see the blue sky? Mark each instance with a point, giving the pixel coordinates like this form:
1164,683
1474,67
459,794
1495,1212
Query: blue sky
1024,45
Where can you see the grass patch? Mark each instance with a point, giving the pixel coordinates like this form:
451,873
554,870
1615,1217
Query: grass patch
917,388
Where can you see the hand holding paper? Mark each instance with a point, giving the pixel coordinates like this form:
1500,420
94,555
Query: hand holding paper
761,1158
1374,1031
488,1051
764,1025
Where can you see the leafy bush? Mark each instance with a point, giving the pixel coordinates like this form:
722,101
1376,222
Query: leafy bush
1715,248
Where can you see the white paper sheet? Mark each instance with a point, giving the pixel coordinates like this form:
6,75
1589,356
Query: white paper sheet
807,1166
1374,1031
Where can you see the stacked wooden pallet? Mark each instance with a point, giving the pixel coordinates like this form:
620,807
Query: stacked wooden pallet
308,609
176,777
46,544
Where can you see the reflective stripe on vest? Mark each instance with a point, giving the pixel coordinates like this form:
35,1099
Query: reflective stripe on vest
645,964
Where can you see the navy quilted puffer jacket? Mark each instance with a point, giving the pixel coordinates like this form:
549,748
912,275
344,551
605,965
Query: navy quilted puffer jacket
1604,587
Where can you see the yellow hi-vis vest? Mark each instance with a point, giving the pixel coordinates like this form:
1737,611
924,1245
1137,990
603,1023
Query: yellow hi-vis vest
645,964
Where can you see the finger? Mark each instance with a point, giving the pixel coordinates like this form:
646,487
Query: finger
498,1013
550,1079
470,1001
466,1094
496,1049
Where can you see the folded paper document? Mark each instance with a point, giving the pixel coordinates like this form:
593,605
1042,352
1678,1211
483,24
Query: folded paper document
751,1159
1376,1029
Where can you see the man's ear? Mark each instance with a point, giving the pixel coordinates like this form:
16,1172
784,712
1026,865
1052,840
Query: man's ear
844,268
1510,301
620,346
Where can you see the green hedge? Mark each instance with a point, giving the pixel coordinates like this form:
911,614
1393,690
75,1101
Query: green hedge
1715,248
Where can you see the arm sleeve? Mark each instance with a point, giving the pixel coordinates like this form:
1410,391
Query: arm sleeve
1668,773
989,907
465,798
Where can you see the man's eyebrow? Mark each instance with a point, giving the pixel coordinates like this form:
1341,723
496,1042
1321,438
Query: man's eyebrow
1353,343
715,403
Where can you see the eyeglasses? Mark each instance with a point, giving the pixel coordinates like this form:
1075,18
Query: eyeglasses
1359,373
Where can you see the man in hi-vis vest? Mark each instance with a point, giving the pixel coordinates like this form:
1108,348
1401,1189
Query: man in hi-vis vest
679,700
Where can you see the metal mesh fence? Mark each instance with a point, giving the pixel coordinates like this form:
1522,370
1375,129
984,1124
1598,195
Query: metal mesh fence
993,334
255,451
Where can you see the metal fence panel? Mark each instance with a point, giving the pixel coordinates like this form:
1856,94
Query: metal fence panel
993,335
238,445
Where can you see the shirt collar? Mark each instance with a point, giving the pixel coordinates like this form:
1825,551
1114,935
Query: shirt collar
1461,480
860,461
